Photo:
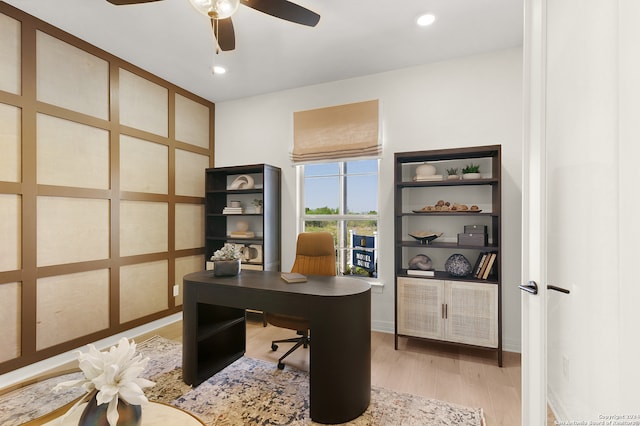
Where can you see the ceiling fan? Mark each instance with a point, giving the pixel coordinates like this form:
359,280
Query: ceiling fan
220,12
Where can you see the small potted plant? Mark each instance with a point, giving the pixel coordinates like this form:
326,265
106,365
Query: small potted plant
452,173
226,261
471,171
257,205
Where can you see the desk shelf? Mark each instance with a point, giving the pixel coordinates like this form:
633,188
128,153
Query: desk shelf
220,336
206,331
216,355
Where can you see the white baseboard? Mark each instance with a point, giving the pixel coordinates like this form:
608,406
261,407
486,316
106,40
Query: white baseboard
383,326
556,406
25,373
511,345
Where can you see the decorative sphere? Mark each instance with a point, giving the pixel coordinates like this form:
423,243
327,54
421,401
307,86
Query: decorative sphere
420,261
425,170
242,226
457,265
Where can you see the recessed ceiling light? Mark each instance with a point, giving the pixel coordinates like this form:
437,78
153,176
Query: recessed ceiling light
219,70
426,20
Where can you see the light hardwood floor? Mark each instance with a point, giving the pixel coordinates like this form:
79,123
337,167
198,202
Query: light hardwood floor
462,376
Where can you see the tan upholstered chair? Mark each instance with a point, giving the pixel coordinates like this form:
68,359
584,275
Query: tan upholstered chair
315,255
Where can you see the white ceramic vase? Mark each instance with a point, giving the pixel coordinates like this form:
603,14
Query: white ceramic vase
425,170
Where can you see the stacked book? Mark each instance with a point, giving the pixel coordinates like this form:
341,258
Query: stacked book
422,272
485,265
232,210
242,234
427,178
293,277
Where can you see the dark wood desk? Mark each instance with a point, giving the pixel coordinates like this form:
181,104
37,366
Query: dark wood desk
338,309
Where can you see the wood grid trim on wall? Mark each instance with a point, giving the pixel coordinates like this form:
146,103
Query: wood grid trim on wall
101,191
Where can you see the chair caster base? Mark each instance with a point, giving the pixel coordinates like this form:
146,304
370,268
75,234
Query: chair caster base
274,347
280,366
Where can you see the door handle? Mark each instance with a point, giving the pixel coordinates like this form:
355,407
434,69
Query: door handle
530,287
560,289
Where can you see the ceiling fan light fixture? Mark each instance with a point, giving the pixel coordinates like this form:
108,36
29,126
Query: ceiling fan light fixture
216,9
426,20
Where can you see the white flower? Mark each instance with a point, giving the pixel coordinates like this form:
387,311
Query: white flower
114,373
227,252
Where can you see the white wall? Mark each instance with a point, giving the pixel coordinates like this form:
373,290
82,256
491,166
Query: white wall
468,101
628,314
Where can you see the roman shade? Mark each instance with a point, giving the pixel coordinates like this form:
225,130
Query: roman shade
342,131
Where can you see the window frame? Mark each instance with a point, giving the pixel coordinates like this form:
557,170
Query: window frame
343,250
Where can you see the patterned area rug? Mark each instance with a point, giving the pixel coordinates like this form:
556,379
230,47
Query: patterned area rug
248,392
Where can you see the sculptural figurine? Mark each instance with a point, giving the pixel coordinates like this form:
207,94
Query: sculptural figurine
242,182
421,261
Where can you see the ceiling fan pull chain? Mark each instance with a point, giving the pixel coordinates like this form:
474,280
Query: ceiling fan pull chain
217,35
214,32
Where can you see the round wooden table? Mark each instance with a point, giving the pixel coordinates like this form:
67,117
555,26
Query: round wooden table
153,414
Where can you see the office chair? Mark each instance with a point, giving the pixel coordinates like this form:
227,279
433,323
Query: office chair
315,255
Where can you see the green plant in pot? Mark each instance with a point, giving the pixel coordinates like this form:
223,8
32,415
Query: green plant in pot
452,173
471,171
257,205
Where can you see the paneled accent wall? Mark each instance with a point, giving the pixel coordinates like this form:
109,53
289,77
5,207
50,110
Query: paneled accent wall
102,171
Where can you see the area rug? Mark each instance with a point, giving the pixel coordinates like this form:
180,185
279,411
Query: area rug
248,392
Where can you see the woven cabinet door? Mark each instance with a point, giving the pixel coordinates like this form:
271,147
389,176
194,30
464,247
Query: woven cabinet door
421,307
472,313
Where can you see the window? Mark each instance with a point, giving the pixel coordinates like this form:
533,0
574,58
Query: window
342,198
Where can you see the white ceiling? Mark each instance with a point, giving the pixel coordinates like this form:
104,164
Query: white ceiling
353,38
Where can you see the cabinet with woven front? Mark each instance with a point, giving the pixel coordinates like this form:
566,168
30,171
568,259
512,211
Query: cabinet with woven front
437,215
454,311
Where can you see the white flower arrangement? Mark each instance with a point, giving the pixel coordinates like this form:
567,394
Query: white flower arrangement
227,252
114,374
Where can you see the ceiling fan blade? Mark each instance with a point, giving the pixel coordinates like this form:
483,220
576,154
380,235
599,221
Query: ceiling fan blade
127,2
284,9
224,34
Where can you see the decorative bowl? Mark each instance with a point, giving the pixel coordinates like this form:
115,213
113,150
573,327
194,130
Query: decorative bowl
425,237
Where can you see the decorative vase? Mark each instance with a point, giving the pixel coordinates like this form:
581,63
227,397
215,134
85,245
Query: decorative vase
226,268
96,415
457,265
425,170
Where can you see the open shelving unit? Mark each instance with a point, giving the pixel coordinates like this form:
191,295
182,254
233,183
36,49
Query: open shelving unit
265,245
458,310
263,249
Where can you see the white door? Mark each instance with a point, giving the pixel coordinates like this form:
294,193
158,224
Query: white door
534,379
580,141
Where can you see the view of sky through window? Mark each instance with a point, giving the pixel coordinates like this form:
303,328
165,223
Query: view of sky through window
322,182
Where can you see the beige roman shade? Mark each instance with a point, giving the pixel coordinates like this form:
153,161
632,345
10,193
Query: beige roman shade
341,131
